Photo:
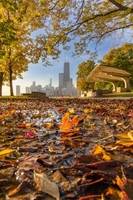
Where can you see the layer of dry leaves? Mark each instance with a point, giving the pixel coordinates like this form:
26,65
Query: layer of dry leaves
66,149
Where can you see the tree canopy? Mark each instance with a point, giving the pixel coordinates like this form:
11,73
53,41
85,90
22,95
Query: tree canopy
19,21
93,19
83,71
121,58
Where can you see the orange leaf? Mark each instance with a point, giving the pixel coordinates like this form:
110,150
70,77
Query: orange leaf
121,182
99,151
123,195
75,120
116,194
68,124
65,118
66,127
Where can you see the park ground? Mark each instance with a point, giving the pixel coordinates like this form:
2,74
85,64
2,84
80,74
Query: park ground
81,148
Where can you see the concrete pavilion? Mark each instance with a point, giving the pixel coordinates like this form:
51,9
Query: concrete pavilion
104,73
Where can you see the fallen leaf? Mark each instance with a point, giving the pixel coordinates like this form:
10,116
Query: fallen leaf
71,110
98,150
43,184
117,194
125,143
58,177
6,151
69,123
120,182
126,136
75,120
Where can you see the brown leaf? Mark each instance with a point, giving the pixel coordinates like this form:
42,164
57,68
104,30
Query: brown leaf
43,184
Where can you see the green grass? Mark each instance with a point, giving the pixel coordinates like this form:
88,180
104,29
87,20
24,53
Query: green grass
17,98
122,94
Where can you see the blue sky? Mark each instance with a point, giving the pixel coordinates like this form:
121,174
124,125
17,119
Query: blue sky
41,74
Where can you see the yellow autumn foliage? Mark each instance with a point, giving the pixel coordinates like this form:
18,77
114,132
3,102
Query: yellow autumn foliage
6,151
99,151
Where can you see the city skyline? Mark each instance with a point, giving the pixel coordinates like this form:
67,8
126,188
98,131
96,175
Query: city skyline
65,85
41,74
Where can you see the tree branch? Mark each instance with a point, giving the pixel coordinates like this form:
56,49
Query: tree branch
54,6
112,30
75,27
80,11
120,6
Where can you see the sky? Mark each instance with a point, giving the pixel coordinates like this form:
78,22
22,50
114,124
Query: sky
42,74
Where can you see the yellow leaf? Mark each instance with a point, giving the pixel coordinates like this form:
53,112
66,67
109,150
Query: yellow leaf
126,136
125,143
99,151
130,135
6,151
87,110
71,110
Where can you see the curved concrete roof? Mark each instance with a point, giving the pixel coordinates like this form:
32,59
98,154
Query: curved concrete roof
101,72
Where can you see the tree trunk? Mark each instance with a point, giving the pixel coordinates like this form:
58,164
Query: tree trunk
10,80
1,81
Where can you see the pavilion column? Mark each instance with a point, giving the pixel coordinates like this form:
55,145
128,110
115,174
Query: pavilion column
114,87
126,83
1,81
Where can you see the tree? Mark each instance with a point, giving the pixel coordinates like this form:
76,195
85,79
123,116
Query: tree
14,62
14,59
21,19
7,31
83,71
1,82
121,58
88,20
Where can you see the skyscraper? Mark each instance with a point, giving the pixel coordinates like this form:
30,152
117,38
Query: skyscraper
17,90
66,87
66,73
61,80
33,87
27,90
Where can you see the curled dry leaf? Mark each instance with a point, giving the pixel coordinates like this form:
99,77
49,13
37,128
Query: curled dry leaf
43,184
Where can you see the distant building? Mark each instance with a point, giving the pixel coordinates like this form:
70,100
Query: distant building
27,90
34,84
61,80
33,87
38,88
66,87
18,93
66,73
